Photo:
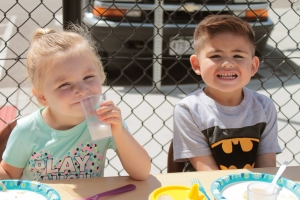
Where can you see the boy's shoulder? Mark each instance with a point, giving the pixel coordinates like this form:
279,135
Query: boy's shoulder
199,97
257,96
191,97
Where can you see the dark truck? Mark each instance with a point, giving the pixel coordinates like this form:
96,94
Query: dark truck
125,29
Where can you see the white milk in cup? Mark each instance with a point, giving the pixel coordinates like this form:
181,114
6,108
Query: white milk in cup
262,191
98,129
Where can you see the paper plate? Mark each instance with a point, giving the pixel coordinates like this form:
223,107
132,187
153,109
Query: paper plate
234,186
25,187
173,192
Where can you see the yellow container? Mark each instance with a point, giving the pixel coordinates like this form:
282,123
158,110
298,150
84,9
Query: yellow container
177,192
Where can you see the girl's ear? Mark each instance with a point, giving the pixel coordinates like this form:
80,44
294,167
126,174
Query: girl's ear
195,64
40,97
255,65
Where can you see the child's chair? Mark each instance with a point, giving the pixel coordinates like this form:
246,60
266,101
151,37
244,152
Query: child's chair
173,166
4,135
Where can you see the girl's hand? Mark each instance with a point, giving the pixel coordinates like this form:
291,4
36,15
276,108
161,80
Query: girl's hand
111,114
128,149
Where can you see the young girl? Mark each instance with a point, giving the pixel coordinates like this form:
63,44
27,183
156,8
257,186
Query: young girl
54,142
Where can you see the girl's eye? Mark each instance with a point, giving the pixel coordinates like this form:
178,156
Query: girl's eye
64,85
88,77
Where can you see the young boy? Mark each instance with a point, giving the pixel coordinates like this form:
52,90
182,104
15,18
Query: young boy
225,125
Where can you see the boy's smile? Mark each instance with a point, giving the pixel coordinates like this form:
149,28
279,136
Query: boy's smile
227,76
226,63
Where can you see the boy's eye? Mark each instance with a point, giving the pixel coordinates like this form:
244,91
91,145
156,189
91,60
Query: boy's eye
215,56
238,56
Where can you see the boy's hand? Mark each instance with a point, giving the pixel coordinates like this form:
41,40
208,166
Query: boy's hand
111,114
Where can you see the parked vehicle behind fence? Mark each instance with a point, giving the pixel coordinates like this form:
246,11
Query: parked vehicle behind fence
125,28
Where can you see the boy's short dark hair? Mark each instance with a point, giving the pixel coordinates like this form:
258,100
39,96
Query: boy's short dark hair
216,24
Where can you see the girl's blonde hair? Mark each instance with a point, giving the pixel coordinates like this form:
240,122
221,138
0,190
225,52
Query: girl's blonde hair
48,46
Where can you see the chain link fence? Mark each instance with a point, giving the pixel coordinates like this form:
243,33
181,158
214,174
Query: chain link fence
147,77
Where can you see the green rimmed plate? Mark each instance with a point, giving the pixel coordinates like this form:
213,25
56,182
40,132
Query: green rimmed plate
234,186
22,186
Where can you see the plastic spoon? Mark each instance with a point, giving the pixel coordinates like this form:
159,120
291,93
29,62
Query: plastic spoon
270,188
119,190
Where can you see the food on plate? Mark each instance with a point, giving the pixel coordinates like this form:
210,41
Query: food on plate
20,195
255,190
245,195
238,191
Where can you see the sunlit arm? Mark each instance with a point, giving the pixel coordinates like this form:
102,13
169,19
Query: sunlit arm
9,172
133,156
204,163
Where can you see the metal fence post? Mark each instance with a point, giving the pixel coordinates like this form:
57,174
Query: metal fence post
157,43
71,10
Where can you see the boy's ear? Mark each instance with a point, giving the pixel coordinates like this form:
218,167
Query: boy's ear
40,97
255,65
195,64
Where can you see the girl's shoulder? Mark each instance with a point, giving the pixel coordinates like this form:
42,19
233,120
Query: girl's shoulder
29,120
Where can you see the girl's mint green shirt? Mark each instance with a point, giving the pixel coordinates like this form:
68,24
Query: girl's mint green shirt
49,154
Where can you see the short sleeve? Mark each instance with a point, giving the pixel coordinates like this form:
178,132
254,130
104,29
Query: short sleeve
188,139
16,153
269,138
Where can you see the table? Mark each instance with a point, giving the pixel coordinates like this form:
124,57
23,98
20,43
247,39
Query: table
76,188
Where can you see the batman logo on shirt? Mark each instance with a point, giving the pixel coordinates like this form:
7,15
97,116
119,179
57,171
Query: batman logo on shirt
236,153
235,148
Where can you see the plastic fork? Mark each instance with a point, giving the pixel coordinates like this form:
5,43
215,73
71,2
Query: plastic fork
201,188
119,190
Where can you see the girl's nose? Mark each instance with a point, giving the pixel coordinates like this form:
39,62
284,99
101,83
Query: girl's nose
81,90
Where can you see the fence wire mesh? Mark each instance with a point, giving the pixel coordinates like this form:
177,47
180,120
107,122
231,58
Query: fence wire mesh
145,47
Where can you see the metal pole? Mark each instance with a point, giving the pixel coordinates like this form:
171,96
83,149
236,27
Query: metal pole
157,43
71,10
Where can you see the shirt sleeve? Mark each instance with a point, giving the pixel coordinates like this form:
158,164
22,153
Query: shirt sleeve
188,139
16,153
269,138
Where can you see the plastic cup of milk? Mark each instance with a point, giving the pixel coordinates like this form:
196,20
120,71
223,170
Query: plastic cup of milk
98,129
258,191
